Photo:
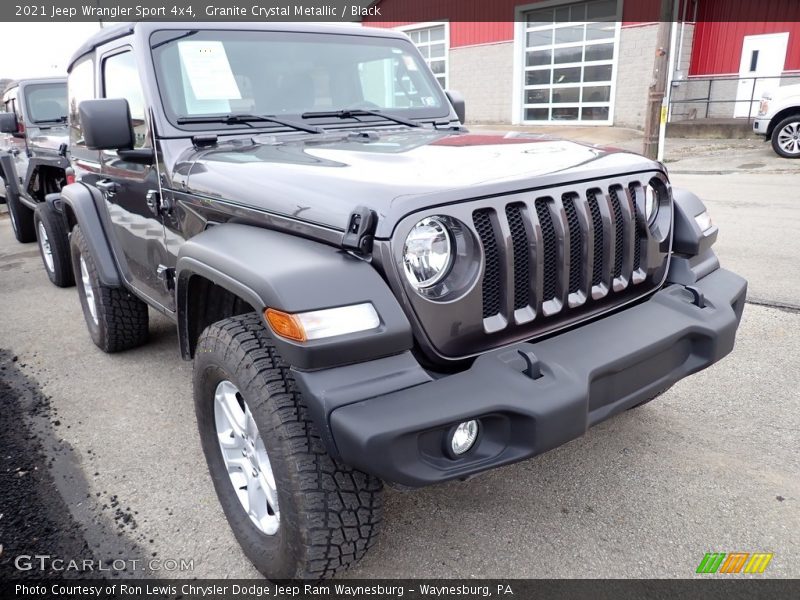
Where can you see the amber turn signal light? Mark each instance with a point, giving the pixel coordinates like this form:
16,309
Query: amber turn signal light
285,325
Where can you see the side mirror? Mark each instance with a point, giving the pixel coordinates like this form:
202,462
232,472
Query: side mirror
457,100
106,124
8,122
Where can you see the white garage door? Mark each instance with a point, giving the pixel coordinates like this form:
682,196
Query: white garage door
570,54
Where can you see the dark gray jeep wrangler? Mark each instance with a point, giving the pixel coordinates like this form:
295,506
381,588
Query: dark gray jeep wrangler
34,168
369,292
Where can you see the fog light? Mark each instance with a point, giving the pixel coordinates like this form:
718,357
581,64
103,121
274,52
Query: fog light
463,437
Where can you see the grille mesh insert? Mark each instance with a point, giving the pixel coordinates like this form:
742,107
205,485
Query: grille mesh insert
549,240
597,224
491,277
522,268
619,229
575,243
638,228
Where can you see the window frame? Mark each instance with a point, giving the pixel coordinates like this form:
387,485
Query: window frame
78,149
521,69
408,29
127,49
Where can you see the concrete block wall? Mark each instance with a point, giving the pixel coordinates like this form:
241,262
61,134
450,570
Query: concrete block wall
636,52
484,74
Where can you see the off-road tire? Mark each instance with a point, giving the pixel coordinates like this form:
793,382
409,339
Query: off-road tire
329,512
56,230
21,220
790,120
121,317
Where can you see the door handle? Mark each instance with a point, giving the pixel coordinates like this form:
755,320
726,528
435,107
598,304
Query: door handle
108,187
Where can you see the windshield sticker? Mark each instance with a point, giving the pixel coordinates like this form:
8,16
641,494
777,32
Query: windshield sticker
208,70
410,63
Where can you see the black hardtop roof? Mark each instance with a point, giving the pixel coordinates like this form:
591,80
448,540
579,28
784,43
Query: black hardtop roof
120,30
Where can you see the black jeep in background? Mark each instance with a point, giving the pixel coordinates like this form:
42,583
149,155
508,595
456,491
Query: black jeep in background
34,168
369,292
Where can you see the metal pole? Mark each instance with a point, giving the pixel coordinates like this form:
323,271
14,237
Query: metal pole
666,102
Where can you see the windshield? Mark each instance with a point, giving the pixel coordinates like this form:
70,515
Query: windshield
46,102
202,73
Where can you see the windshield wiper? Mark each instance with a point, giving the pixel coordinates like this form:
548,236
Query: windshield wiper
359,112
56,120
234,119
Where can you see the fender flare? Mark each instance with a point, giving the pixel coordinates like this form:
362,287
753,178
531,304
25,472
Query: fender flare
687,237
79,204
8,171
269,269
34,163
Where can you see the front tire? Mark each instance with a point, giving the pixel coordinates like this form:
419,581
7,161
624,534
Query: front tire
316,516
21,220
117,320
786,137
53,245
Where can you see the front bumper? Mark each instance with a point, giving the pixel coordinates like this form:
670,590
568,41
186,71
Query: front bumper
760,126
588,374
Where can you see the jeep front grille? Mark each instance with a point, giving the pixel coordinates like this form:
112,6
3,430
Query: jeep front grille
566,248
550,258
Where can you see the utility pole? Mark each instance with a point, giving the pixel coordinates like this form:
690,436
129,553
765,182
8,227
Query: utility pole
658,86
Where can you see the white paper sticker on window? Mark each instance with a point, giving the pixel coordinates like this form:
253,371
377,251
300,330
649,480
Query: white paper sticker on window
208,70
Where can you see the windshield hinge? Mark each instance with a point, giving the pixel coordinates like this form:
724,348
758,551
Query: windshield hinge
360,230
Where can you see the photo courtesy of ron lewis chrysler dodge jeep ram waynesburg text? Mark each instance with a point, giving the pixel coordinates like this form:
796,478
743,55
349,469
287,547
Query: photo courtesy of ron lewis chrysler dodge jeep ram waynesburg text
370,293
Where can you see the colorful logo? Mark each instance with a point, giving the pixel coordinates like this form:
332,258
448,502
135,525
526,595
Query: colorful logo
734,562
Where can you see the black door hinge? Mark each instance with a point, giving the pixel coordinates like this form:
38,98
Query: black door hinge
360,232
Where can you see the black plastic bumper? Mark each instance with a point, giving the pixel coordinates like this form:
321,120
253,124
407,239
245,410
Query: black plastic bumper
588,374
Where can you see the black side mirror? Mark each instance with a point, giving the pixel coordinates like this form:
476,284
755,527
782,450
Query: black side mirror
106,124
8,122
457,100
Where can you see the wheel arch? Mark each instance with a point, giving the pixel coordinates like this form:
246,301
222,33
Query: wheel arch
780,116
79,203
263,268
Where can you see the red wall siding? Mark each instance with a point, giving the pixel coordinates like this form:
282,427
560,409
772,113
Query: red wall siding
482,21
717,46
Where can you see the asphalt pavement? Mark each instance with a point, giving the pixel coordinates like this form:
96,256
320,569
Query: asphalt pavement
110,442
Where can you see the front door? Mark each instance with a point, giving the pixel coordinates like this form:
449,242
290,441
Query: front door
137,231
762,56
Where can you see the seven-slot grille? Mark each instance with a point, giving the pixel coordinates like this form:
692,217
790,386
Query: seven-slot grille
563,251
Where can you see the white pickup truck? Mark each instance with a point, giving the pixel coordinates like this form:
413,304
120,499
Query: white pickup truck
779,120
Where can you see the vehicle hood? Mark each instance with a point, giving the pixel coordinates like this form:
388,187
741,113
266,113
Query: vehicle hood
322,178
48,139
786,91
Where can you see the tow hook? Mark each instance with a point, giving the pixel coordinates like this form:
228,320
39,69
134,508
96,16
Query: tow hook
698,299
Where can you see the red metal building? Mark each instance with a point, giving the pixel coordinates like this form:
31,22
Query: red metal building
590,61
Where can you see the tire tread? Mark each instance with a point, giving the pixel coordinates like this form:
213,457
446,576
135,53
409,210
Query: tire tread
341,507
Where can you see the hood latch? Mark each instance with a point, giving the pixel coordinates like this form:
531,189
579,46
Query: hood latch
360,230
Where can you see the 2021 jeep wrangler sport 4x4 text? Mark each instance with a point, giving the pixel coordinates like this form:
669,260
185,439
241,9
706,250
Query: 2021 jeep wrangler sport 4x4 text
369,292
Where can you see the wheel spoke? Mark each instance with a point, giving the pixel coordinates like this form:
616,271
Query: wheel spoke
226,401
256,499
245,458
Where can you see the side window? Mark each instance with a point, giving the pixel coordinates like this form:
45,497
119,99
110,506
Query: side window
80,87
121,80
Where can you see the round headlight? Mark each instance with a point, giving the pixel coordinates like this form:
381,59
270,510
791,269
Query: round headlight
650,203
427,253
